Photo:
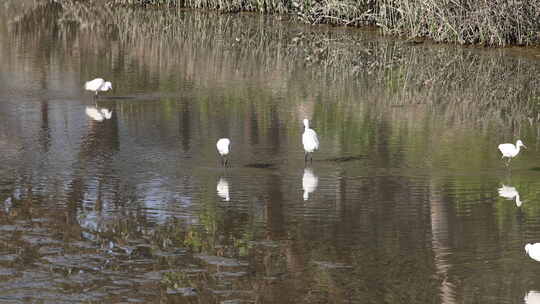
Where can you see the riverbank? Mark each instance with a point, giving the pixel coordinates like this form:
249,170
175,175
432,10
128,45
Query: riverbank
489,23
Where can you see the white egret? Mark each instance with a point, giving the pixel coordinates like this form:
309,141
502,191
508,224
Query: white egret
532,297
222,146
309,182
510,150
98,84
510,193
309,140
98,114
223,189
533,250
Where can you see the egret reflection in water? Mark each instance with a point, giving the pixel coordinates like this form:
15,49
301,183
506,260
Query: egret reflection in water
532,297
223,189
98,114
309,182
510,193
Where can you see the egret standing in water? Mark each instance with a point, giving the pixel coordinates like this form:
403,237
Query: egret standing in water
309,140
510,150
98,84
532,297
222,146
533,250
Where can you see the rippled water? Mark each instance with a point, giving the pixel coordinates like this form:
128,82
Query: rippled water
407,200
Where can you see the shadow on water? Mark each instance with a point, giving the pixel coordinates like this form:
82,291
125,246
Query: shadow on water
346,158
260,165
405,202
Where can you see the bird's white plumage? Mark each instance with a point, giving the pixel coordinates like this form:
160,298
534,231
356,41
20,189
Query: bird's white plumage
106,113
533,250
309,138
94,113
511,150
510,193
309,182
98,114
98,84
223,189
222,146
532,297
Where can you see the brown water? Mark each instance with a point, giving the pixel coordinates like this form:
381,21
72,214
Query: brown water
400,205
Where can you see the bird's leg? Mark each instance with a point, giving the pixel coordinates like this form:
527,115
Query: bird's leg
305,157
311,158
226,161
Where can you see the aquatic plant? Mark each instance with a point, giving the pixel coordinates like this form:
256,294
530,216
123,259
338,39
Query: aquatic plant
409,77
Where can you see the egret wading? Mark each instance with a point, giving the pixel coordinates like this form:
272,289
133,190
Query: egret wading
532,297
222,146
533,250
510,150
97,85
309,140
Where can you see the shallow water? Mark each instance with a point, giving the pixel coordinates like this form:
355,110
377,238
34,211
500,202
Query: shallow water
402,204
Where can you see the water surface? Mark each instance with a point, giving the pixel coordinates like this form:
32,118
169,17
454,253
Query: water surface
404,203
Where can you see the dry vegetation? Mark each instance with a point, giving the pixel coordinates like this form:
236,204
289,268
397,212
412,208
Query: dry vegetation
493,23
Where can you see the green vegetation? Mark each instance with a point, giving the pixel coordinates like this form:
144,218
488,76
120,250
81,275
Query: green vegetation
428,117
494,23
